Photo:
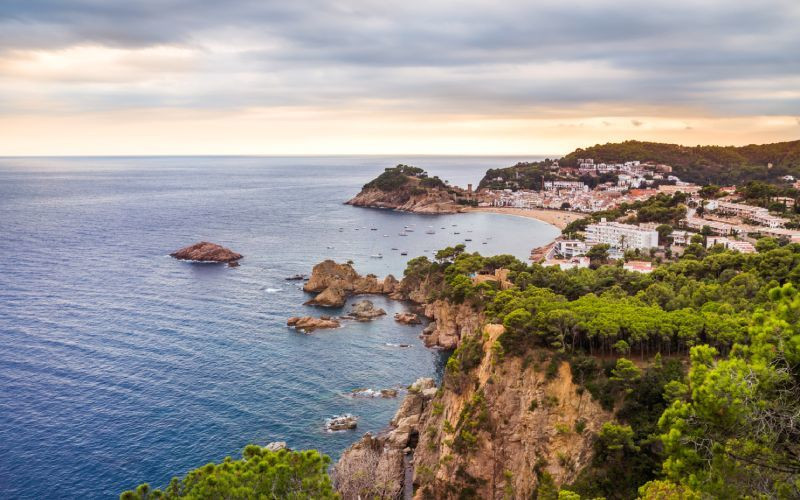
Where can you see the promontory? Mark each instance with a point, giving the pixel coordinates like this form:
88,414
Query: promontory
410,189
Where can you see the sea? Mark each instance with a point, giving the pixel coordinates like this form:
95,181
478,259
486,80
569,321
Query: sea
120,365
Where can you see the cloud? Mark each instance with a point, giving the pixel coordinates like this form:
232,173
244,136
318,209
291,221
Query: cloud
515,58
637,123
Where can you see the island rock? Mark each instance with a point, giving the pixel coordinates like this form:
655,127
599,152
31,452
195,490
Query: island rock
206,252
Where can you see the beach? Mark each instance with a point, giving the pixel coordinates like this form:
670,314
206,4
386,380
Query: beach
558,218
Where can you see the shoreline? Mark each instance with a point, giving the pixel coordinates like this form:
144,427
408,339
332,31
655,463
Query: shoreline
557,218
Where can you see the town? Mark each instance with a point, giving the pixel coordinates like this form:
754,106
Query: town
707,216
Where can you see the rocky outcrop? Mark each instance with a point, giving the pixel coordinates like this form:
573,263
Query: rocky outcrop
330,297
373,467
517,421
407,318
206,252
409,199
450,323
308,324
487,430
365,310
334,283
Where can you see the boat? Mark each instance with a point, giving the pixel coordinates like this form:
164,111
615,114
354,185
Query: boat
430,231
377,256
394,248
456,232
402,234
403,253
385,235
467,239
373,229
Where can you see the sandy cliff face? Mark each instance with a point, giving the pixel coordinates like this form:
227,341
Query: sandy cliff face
410,199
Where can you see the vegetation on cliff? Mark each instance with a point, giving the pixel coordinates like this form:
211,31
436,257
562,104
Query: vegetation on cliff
397,177
729,429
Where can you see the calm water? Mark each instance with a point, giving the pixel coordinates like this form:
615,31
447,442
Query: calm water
121,365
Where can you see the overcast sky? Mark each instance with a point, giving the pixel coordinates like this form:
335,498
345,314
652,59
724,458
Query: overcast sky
466,77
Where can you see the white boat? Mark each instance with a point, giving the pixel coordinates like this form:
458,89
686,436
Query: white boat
430,231
377,256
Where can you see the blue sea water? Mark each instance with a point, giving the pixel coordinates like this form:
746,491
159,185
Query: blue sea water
120,365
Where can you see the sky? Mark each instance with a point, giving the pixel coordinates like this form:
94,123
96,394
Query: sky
309,77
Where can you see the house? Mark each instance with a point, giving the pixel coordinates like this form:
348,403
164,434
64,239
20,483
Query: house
740,246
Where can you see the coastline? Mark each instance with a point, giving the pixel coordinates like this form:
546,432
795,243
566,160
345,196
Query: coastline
557,218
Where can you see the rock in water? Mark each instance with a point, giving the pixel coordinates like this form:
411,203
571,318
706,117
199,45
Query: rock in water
308,324
407,318
206,252
365,310
341,422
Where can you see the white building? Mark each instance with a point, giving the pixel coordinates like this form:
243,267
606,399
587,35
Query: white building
740,246
619,235
571,248
566,185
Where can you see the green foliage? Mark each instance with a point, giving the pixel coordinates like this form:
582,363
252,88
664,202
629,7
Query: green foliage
722,165
737,433
259,474
395,178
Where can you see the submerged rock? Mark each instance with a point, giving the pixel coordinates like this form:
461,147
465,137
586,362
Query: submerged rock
206,252
365,310
308,324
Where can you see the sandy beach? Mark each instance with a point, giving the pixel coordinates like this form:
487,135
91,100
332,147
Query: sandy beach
558,218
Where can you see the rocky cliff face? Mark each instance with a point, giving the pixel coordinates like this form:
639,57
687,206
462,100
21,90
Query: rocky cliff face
492,431
408,199
489,433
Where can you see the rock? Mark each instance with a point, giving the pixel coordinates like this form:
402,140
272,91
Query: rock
390,284
429,393
233,263
421,384
407,318
206,252
389,393
276,446
308,324
341,422
330,297
328,273
365,310
296,277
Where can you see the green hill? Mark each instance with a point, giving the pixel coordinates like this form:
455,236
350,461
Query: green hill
703,164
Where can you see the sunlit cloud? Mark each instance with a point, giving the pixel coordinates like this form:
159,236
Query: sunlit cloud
415,77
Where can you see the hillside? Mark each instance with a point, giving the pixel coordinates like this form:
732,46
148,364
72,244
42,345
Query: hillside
721,165
702,164
410,189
